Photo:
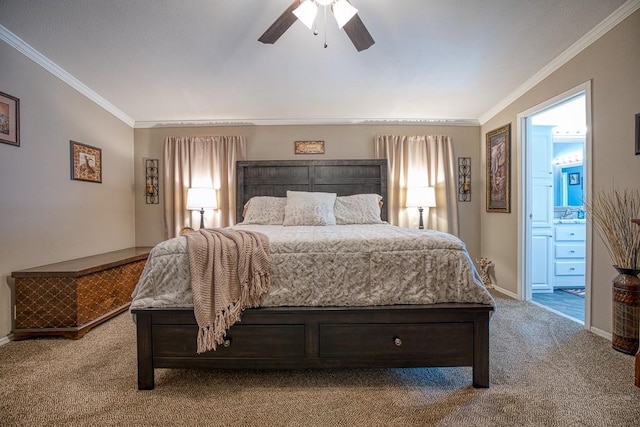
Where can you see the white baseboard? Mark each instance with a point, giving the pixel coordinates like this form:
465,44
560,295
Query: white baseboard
5,340
506,292
601,333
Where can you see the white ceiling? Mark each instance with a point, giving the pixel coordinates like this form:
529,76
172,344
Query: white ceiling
198,61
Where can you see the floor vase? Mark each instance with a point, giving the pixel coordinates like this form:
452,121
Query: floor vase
626,310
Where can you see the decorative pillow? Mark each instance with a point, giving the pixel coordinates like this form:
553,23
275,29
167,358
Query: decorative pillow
309,208
358,209
265,210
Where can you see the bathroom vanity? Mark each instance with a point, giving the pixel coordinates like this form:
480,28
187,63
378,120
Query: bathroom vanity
569,253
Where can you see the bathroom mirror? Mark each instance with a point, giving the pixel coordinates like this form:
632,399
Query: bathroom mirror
568,174
568,186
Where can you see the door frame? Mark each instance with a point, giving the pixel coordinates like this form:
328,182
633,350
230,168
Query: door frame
524,195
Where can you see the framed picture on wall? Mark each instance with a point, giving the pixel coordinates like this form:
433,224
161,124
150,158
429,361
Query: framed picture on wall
637,134
309,147
86,162
9,119
574,178
498,153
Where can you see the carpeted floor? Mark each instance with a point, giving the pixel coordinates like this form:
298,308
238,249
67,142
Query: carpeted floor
545,371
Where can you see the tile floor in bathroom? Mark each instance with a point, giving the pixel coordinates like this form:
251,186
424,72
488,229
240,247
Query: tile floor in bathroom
564,302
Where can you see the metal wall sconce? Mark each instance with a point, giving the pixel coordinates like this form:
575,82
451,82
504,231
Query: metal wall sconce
464,179
151,188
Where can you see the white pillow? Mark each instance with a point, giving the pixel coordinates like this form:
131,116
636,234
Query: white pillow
358,209
309,208
265,210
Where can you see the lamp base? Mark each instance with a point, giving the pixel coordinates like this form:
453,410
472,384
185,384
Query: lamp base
201,218
421,224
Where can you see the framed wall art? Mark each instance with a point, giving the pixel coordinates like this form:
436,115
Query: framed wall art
9,119
574,178
498,153
637,134
309,147
464,179
86,162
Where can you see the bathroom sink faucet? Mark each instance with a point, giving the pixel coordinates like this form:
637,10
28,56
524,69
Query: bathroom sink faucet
567,214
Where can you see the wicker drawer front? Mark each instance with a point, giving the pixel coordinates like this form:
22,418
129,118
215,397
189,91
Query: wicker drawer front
69,298
101,292
394,340
45,302
63,302
247,341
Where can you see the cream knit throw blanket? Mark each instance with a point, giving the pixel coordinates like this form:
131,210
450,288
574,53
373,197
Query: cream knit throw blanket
229,272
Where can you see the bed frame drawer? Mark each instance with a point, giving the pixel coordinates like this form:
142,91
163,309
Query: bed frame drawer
394,340
276,341
435,335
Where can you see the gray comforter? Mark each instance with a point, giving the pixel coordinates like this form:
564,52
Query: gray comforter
343,265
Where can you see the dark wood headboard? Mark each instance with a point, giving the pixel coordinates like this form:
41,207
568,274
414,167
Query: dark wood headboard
344,177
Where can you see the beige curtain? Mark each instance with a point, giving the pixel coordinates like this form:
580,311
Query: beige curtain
200,161
417,161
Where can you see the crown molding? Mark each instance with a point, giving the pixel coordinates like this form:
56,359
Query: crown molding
598,31
28,51
607,24
305,122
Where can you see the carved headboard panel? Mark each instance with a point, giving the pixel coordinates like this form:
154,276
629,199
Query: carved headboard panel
344,177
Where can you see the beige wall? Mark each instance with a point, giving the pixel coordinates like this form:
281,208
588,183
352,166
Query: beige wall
44,216
276,143
613,65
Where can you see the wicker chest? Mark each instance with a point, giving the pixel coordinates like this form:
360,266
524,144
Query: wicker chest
69,298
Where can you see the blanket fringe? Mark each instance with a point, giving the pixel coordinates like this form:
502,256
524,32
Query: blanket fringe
229,272
210,336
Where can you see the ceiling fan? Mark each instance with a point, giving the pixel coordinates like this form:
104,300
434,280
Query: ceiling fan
306,10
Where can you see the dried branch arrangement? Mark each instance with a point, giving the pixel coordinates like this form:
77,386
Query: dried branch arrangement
611,212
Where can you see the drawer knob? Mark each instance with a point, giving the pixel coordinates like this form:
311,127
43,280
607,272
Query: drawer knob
397,341
226,342
573,252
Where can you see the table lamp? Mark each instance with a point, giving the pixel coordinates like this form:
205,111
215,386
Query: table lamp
201,198
421,197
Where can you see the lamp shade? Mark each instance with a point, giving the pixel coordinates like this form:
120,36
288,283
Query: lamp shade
343,12
201,198
307,12
421,197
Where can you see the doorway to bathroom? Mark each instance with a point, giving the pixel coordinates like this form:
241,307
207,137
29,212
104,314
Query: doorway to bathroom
554,162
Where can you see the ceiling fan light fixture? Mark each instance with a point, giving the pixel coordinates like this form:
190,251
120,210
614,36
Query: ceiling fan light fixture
306,13
307,10
343,12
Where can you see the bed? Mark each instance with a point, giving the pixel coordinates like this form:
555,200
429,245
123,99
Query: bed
329,336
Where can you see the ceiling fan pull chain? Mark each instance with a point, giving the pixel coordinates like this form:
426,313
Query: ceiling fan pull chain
325,27
306,12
